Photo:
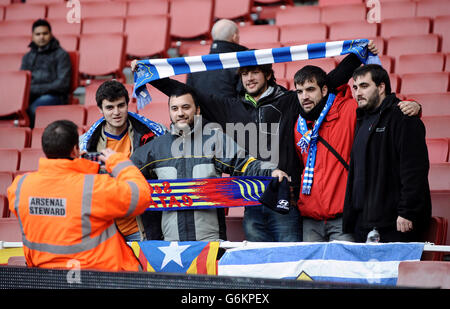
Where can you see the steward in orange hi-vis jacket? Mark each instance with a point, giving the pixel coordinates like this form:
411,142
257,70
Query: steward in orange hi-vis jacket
66,211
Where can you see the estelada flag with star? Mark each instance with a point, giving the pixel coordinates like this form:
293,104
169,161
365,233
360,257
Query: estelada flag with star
189,257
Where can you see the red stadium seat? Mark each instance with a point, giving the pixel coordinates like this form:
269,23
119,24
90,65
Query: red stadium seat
91,90
412,44
433,104
292,34
266,12
14,91
10,62
440,202
336,13
75,76
21,11
420,63
348,30
437,126
184,12
405,26
259,34
9,160
101,9
15,44
437,150
327,64
10,28
435,234
4,207
92,115
6,179
271,2
29,159
279,70
424,274
102,54
157,112
146,8
47,114
433,8
447,63
138,44
431,82
68,42
298,15
198,50
441,24
235,230
10,230
387,63
395,82
45,1
439,178
338,2
233,9
57,11
103,25
36,136
397,9
15,137
60,26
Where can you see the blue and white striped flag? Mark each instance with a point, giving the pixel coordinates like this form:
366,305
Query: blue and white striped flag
336,261
153,69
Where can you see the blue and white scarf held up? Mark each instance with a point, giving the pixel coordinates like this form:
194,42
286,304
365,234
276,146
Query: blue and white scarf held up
153,69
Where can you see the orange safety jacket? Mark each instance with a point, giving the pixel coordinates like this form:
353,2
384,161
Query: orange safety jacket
66,211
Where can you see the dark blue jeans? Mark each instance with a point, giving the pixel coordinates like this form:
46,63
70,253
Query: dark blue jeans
262,224
44,100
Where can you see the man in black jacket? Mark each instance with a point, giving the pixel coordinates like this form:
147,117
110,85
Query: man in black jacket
387,185
50,68
225,34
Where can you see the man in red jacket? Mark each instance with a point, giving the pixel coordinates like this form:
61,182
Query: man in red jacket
324,136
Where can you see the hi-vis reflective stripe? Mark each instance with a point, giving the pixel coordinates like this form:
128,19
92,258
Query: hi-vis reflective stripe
119,167
87,242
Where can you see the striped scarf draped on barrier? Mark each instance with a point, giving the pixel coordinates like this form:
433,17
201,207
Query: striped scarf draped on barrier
153,69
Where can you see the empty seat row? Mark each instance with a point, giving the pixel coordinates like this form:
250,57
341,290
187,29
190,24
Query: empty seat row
13,160
359,11
181,13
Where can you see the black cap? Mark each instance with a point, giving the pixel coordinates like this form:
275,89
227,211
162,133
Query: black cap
277,196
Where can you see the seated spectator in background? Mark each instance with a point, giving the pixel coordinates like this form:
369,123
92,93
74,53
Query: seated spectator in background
121,131
50,68
387,185
175,156
66,210
225,35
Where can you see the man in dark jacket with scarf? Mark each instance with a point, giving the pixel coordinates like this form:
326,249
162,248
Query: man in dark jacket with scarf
50,68
387,185
225,34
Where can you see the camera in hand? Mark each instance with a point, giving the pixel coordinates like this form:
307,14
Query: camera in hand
92,156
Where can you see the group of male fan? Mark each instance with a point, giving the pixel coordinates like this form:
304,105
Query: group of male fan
353,163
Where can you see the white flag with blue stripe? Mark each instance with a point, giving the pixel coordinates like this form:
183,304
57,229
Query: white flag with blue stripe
153,69
336,261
